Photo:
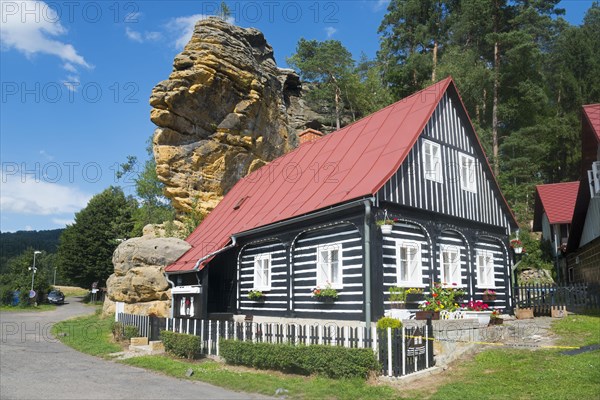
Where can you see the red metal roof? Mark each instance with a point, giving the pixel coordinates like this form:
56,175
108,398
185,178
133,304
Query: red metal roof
592,112
349,164
558,200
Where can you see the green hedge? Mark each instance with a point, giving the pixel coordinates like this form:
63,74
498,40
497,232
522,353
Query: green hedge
180,344
330,361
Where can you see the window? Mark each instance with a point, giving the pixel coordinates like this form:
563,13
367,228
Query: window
329,266
432,161
467,173
485,269
262,272
450,261
408,263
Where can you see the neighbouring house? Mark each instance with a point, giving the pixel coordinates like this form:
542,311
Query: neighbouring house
583,260
308,220
553,214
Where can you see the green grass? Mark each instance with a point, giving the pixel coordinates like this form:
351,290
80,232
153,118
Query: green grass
39,307
498,373
90,334
239,379
72,291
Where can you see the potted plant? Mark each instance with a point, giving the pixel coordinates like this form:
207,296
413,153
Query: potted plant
479,311
325,294
386,224
414,295
489,295
517,246
495,318
441,298
397,297
256,295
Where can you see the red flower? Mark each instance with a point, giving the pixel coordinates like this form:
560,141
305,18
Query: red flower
435,295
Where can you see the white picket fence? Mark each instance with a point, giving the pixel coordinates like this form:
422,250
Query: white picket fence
401,351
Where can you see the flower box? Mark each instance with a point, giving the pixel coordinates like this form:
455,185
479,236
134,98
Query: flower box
496,321
423,315
489,297
483,317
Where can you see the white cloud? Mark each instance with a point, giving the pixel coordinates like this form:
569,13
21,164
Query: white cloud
30,28
183,28
28,196
72,82
28,228
330,30
142,37
70,67
134,35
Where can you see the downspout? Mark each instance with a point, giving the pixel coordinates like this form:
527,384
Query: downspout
367,230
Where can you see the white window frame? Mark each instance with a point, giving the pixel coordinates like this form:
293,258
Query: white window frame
414,265
485,269
259,266
455,270
467,172
325,270
432,161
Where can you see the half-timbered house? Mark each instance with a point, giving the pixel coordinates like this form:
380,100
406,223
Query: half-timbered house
309,219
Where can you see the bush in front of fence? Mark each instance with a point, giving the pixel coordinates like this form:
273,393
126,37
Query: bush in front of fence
180,344
331,361
388,322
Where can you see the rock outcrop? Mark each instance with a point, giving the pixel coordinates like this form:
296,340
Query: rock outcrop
138,279
226,110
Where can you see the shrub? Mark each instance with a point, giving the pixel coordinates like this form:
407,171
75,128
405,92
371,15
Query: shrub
6,296
180,344
117,330
330,361
130,331
388,322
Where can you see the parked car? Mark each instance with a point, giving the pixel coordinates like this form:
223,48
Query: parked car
56,297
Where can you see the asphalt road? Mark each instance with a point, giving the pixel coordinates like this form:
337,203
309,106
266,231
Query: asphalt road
34,365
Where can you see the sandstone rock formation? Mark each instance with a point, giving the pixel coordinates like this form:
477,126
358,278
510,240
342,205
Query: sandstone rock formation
226,110
138,279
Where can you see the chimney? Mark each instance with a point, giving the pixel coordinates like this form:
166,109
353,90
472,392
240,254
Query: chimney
309,135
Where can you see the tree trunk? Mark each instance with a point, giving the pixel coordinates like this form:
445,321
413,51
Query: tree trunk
337,107
495,107
435,50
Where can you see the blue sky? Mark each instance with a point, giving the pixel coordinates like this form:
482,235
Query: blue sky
76,77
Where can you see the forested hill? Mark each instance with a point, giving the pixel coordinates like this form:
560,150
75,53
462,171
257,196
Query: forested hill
14,243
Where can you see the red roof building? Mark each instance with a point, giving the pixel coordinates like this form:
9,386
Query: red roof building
557,201
310,220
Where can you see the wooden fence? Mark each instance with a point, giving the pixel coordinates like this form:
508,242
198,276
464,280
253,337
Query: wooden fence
542,297
401,351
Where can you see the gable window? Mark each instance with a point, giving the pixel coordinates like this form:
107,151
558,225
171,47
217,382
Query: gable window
467,173
262,272
408,263
450,262
329,265
485,269
432,161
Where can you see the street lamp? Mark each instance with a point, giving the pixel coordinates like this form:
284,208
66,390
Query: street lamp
33,269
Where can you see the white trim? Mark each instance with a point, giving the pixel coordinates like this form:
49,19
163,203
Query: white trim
260,258
415,267
432,161
325,266
468,182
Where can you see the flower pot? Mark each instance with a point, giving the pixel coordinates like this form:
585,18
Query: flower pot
489,297
422,315
326,299
386,229
483,317
524,313
414,297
